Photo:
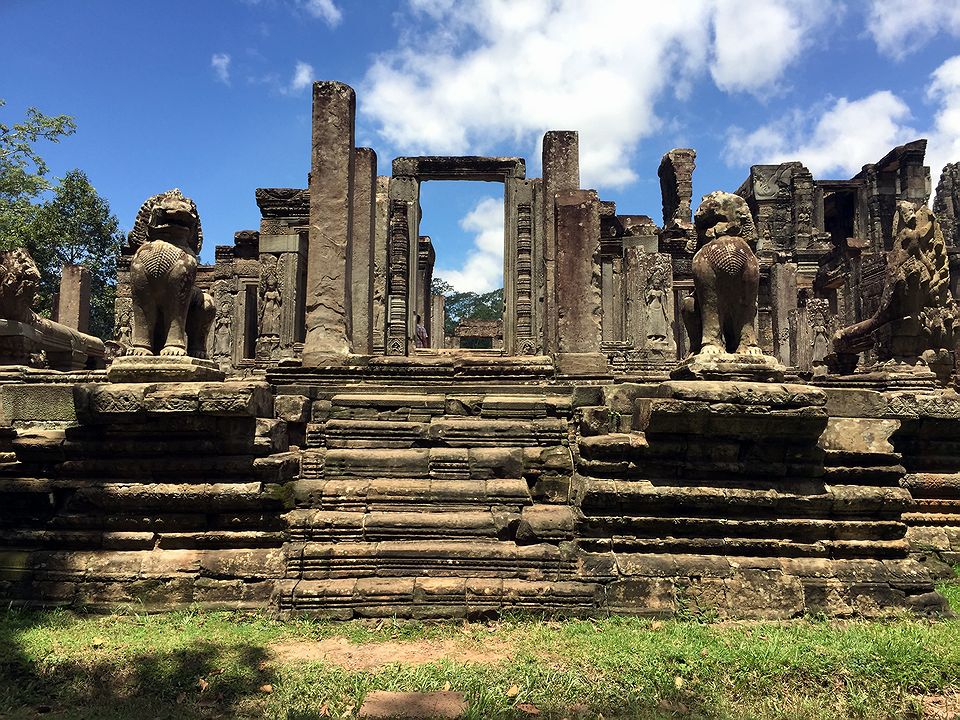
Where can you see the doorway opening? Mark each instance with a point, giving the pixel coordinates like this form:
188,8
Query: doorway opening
460,266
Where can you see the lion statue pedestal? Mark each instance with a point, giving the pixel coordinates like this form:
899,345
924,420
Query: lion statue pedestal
720,314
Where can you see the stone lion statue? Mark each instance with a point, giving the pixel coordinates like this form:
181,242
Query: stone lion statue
916,301
170,315
19,278
720,313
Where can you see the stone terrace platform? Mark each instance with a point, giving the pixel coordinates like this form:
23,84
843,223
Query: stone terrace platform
461,486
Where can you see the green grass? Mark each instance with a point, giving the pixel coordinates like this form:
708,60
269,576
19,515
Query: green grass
60,665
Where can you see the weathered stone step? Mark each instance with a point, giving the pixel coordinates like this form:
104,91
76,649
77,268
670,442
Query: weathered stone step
702,470
788,530
387,406
171,497
475,463
423,597
142,540
933,485
761,547
405,494
327,525
374,434
932,518
642,497
407,558
482,432
860,475
150,522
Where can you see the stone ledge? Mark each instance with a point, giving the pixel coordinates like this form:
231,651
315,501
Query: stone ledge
151,369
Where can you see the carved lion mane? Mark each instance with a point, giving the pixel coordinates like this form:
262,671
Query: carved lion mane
19,277
171,206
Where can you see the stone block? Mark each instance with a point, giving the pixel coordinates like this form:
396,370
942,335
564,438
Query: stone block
154,369
171,399
859,435
292,408
37,403
237,399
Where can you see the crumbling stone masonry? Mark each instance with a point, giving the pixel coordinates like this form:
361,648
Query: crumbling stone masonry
747,412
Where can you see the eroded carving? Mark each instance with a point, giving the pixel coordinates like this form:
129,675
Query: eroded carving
916,301
170,315
719,315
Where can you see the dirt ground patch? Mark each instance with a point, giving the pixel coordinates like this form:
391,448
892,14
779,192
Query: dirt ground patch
941,707
370,656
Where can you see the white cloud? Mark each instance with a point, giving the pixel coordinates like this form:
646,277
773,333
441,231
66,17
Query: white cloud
220,62
480,73
325,10
944,140
302,76
837,140
841,137
482,270
755,40
900,27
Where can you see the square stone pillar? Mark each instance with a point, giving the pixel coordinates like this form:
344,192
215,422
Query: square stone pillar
783,303
73,301
438,317
578,298
364,226
328,313
379,269
561,172
403,234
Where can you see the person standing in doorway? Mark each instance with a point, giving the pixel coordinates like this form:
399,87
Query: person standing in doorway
420,339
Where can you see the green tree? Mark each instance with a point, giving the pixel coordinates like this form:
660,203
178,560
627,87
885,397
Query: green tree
22,170
76,226
467,305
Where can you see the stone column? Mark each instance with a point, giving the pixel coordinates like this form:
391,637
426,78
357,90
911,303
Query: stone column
73,301
783,302
438,316
578,301
379,282
426,257
561,172
676,186
328,315
403,226
364,225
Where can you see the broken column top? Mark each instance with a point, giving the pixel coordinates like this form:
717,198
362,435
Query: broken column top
676,185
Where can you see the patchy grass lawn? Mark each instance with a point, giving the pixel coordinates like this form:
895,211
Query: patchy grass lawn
200,665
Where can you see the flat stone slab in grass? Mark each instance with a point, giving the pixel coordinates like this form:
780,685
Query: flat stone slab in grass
383,705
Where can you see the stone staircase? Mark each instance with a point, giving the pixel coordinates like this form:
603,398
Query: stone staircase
434,501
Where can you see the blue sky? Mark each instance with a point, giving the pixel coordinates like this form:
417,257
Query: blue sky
212,96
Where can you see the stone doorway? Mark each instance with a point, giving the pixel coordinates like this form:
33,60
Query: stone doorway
407,287
461,265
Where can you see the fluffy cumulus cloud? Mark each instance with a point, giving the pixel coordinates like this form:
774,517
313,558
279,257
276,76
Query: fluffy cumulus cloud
303,75
220,63
837,139
900,27
944,90
843,135
742,60
483,269
325,10
479,73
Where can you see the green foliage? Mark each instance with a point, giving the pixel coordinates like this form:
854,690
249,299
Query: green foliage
76,227
22,170
72,225
467,305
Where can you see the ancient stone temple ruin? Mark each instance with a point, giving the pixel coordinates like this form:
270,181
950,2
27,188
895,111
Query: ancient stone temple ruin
745,408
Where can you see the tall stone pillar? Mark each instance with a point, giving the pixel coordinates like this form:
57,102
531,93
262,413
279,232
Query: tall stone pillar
676,186
783,303
403,227
561,172
362,260
426,257
328,314
578,299
73,300
438,317
379,282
